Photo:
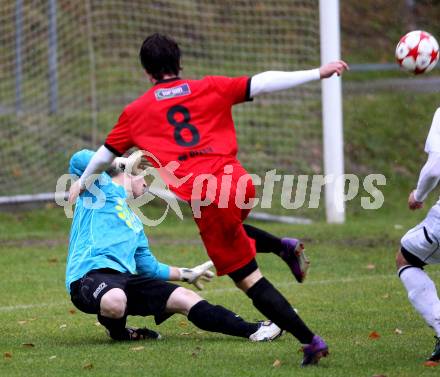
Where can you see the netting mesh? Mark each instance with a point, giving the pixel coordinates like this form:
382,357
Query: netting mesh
67,68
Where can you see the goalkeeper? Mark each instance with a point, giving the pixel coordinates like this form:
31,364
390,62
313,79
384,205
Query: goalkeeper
112,273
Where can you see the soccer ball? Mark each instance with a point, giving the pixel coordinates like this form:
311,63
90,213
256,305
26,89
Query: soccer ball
417,52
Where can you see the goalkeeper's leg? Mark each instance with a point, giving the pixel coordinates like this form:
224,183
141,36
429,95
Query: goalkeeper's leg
113,316
290,250
103,292
216,318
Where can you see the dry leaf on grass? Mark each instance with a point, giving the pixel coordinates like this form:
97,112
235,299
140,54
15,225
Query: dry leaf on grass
24,321
276,363
370,266
374,335
7,355
138,348
430,363
28,345
88,366
196,351
72,311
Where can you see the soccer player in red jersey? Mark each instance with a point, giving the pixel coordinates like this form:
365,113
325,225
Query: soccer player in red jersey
187,125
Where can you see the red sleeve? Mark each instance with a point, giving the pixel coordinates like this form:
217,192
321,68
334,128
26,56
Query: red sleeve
236,89
119,139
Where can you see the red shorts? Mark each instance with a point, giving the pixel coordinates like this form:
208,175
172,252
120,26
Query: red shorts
221,229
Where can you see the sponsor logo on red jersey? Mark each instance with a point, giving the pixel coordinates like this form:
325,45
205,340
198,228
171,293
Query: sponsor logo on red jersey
176,91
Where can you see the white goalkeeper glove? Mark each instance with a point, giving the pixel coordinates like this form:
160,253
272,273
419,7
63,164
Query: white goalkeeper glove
130,164
197,273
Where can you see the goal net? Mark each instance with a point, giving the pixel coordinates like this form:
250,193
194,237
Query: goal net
67,68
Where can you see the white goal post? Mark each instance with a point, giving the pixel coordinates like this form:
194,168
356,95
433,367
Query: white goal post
332,113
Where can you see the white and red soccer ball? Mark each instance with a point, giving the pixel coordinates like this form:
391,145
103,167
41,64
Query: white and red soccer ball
417,52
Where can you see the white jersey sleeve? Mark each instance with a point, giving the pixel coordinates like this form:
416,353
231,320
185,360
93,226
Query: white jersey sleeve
430,173
433,140
429,177
273,81
100,161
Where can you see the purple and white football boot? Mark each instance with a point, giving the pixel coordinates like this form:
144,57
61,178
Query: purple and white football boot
314,351
293,254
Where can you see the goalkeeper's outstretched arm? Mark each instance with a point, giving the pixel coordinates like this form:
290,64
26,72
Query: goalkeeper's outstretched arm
273,81
147,265
194,275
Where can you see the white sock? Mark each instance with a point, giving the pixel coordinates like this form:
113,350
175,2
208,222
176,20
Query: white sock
422,294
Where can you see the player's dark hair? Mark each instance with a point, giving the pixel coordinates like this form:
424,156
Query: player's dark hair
160,56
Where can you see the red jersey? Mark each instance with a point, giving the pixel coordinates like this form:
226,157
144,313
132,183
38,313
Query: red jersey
187,121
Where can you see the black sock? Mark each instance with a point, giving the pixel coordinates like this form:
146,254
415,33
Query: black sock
216,318
270,302
264,242
115,327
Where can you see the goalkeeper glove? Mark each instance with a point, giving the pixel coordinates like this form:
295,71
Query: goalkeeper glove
130,164
197,273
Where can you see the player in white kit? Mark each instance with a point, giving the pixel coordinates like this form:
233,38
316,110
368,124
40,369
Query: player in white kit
420,245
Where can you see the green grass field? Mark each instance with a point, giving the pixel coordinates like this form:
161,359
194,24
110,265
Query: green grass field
351,292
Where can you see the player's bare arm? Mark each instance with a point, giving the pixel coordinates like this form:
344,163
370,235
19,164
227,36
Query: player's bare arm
328,70
413,204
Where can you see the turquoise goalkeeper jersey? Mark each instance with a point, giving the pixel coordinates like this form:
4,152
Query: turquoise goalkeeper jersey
105,232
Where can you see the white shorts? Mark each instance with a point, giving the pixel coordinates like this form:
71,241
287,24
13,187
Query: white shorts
423,240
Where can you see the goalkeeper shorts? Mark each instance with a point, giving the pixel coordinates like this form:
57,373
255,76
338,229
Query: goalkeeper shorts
144,296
